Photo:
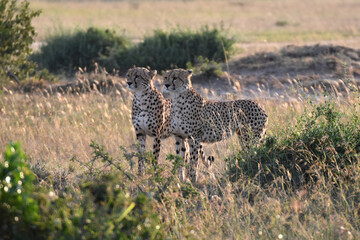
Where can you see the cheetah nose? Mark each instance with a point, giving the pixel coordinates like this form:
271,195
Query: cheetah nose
129,83
167,85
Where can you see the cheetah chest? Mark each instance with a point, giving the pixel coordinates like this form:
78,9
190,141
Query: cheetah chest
143,122
184,120
178,125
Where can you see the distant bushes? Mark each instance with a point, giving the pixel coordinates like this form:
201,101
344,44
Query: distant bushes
322,146
163,50
67,52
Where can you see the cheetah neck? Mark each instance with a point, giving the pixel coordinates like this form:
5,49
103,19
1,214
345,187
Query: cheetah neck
140,93
187,93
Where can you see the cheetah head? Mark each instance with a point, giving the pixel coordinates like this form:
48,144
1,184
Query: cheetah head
177,81
139,79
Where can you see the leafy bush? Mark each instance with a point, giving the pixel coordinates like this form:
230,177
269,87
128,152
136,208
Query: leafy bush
322,146
65,53
174,49
206,67
16,36
18,206
96,208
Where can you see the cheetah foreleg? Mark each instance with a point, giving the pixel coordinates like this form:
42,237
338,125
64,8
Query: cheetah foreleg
141,138
156,149
182,150
194,159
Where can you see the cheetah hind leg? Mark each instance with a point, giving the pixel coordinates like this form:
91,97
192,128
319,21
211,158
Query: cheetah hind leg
207,161
244,137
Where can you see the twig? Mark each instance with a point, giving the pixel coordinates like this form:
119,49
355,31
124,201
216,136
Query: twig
100,154
12,75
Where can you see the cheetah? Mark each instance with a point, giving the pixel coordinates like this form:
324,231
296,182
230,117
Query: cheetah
198,120
150,111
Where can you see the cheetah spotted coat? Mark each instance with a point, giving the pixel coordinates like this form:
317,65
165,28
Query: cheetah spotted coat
150,111
197,120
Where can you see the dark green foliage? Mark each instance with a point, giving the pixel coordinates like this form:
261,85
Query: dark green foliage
205,67
18,207
16,36
96,208
110,213
65,53
165,50
321,146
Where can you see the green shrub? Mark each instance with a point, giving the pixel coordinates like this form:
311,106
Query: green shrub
205,67
18,206
16,36
65,53
322,146
96,208
165,50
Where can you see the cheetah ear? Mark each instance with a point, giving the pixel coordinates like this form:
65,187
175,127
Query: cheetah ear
152,73
190,71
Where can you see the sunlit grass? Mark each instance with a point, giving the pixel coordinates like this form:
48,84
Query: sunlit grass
293,35
58,128
251,20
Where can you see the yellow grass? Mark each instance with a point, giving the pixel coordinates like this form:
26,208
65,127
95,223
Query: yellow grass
249,20
55,129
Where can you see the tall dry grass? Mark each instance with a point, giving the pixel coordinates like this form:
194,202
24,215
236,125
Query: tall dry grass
60,127
56,129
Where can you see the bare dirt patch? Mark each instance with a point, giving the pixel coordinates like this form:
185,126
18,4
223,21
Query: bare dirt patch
292,72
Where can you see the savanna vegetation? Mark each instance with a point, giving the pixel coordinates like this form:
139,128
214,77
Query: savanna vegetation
68,151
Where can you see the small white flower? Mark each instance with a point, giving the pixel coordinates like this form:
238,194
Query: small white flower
12,149
6,164
19,182
260,233
280,236
51,194
18,190
6,189
158,227
7,179
16,219
21,175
